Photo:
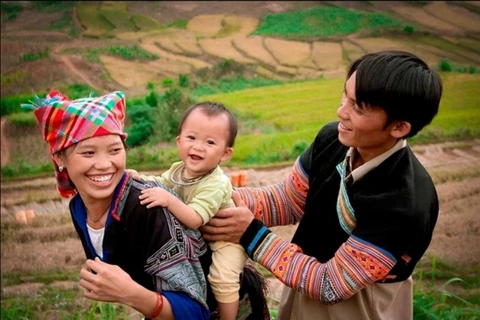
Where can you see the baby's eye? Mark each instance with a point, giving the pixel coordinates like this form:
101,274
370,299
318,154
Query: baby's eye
191,137
210,142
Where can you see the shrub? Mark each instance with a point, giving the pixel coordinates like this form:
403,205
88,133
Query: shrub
179,24
151,99
139,133
32,56
445,65
12,104
142,128
11,9
170,112
183,80
167,82
409,29
131,52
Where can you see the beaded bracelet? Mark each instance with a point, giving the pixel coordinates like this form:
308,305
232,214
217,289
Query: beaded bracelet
158,307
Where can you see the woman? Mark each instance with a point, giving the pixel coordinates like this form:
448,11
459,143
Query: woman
139,257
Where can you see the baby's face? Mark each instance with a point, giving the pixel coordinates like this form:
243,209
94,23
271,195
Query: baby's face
202,143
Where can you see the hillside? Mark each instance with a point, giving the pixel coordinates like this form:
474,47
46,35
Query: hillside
53,46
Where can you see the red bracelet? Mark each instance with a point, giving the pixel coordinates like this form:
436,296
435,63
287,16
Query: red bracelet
158,307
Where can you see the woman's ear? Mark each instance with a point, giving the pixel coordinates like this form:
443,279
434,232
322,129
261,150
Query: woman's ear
400,129
58,159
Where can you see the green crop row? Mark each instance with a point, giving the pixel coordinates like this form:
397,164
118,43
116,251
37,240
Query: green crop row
297,111
323,21
109,18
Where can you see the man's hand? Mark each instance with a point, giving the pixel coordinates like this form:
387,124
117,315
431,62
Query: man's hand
228,224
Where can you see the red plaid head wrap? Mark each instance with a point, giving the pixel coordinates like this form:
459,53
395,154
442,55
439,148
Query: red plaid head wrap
65,122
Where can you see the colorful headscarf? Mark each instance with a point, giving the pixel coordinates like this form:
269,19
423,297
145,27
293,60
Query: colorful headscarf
65,122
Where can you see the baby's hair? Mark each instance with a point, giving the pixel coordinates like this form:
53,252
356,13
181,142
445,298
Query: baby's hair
212,109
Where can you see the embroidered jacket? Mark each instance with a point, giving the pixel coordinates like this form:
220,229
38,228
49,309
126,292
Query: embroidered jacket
375,232
151,246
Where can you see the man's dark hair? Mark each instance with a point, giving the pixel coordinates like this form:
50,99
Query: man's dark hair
401,84
213,109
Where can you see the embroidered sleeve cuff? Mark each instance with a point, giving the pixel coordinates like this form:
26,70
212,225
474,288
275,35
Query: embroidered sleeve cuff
253,236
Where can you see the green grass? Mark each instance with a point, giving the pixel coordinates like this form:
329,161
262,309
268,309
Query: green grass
439,293
145,23
96,26
59,303
323,22
278,122
459,114
297,111
178,24
112,17
116,13
230,85
54,6
132,52
16,278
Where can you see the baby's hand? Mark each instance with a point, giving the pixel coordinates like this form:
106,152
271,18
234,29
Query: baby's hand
155,197
132,172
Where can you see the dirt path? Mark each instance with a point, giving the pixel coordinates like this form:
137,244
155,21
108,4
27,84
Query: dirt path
71,67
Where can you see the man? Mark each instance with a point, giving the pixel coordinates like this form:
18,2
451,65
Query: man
366,207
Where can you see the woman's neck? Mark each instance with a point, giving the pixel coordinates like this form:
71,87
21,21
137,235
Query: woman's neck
97,212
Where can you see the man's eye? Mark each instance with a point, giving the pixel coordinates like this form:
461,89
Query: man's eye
357,109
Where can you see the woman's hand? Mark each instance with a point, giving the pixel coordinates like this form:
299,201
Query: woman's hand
228,224
105,282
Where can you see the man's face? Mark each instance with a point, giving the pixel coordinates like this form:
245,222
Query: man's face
363,127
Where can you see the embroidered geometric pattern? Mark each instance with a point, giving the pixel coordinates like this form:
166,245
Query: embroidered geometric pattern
346,214
64,122
355,265
284,201
168,264
172,262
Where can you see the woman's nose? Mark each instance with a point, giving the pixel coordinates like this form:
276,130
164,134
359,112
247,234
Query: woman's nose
103,162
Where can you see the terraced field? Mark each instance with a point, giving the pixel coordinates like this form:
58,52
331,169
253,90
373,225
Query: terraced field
450,31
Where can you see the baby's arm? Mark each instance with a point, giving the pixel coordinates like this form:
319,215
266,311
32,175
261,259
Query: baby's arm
160,197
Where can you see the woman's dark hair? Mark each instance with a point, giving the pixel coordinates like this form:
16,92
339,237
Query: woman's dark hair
213,109
401,84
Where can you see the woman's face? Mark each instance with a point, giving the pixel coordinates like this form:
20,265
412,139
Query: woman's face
95,166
